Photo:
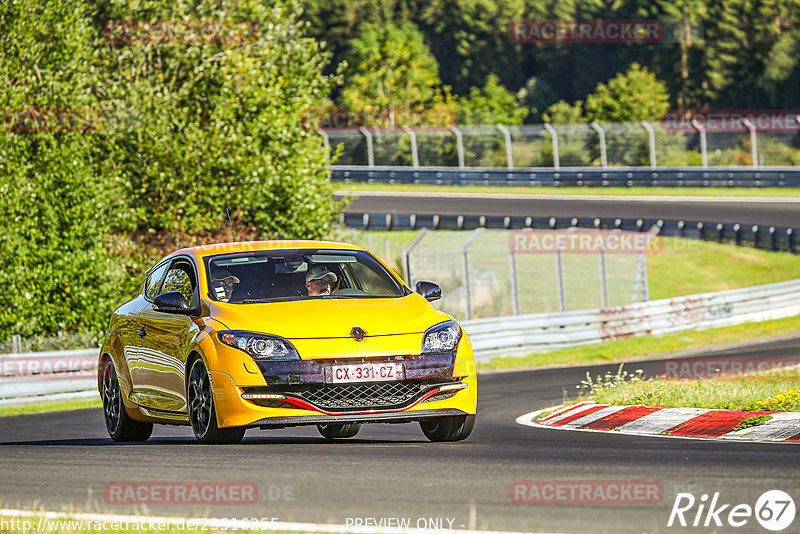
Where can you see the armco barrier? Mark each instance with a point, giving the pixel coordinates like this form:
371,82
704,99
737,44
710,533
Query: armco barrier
574,176
762,237
34,374
546,331
47,373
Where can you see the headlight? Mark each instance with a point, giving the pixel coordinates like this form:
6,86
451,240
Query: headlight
443,337
259,346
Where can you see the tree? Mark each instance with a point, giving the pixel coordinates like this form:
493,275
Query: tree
631,96
490,104
563,113
54,206
390,68
220,120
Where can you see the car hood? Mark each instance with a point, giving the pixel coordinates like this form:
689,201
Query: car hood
331,318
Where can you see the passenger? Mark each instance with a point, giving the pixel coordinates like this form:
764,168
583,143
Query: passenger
320,281
222,284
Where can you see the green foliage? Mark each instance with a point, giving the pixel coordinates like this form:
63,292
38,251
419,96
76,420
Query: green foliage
633,96
164,133
390,67
564,113
490,104
53,206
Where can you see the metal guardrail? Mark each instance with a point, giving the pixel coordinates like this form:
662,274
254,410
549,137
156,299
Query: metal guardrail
547,331
762,237
48,373
33,376
574,176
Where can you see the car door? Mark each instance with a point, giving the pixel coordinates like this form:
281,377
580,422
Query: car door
130,331
165,340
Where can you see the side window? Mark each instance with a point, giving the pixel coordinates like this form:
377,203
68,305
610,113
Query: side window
179,279
370,281
153,281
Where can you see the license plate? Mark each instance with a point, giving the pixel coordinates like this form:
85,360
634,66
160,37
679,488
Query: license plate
363,372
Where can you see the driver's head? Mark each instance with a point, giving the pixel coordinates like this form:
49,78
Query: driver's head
222,283
320,281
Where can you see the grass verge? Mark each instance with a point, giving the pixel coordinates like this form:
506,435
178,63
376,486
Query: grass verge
578,191
51,406
770,391
640,347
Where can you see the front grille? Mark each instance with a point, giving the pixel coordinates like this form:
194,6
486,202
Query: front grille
363,396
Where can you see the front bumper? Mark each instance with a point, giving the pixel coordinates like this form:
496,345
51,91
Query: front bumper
296,393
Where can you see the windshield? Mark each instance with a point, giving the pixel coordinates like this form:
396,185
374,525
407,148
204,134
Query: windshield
280,275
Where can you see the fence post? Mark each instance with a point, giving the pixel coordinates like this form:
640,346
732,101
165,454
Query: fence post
562,292
507,136
651,134
407,255
554,137
370,153
459,146
753,146
16,344
412,136
512,262
465,256
602,135
703,141
603,277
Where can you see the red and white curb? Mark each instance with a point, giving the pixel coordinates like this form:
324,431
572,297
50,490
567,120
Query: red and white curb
660,421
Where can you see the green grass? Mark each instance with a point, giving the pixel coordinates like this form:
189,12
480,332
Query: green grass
545,191
687,267
645,346
51,406
773,391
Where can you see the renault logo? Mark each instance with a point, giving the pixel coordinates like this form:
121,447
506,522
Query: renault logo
358,333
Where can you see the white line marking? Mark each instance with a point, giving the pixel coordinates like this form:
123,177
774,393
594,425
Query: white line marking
658,422
594,198
225,524
577,409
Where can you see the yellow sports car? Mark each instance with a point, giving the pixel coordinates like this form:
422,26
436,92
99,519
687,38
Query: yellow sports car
275,334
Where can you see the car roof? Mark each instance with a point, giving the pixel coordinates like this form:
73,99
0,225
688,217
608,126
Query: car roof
202,251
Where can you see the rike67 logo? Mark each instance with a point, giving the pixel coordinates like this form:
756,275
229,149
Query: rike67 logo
774,510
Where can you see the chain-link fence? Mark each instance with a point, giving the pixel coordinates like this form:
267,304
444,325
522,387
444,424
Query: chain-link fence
483,274
630,144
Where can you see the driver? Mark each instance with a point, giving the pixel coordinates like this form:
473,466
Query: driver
222,284
320,281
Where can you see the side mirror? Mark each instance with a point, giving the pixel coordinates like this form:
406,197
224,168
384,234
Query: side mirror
173,302
429,290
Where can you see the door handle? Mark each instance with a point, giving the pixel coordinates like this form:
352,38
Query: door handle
141,332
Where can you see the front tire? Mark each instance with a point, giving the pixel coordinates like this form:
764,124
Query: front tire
202,412
449,428
339,430
119,424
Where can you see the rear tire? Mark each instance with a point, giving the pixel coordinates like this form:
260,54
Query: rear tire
119,424
203,413
339,430
449,428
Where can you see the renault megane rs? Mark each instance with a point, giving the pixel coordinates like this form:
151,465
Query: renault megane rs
278,334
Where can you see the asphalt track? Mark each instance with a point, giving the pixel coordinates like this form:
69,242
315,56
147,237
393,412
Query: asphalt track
64,460
745,211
